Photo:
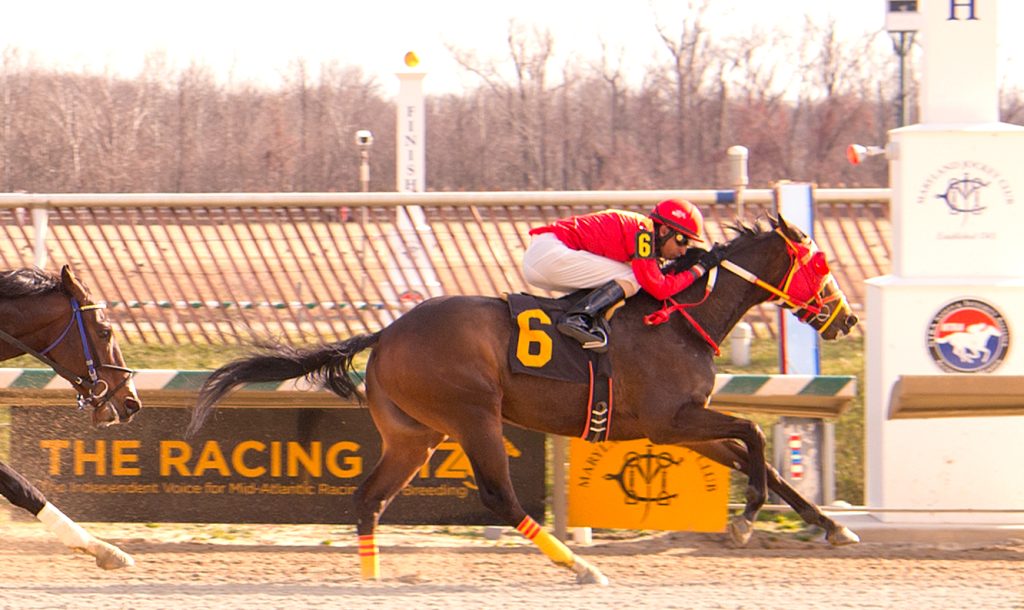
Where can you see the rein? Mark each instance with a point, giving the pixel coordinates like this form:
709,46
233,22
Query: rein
778,294
797,262
94,380
662,315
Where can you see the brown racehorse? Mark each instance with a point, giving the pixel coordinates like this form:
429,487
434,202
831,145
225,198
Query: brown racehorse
442,371
54,319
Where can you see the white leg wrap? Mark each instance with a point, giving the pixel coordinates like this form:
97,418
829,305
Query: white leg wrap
69,532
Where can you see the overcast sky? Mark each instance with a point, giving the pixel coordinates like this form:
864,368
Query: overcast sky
258,39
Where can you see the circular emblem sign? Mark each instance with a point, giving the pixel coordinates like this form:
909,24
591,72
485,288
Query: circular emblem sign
968,336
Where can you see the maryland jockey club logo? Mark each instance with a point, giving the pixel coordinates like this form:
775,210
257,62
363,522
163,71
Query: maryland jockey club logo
643,477
638,484
965,188
968,336
963,195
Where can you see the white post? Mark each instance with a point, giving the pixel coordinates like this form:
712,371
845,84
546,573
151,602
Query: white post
411,129
742,333
364,141
798,351
956,287
412,276
40,223
738,156
800,446
739,344
559,486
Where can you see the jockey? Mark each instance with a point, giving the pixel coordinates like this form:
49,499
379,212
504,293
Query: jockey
615,252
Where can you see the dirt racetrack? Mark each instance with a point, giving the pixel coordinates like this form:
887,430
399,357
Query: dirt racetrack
293,567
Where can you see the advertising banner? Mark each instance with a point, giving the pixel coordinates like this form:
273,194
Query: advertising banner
266,465
639,485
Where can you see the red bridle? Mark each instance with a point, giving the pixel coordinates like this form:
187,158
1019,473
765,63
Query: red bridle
805,282
800,290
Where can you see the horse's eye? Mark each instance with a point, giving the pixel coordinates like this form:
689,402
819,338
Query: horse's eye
105,333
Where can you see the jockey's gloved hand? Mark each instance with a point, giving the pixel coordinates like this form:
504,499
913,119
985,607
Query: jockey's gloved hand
713,257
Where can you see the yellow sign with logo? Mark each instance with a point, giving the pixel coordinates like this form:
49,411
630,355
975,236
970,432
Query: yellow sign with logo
640,485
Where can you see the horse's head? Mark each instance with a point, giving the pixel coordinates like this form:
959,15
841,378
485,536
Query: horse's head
798,278
82,345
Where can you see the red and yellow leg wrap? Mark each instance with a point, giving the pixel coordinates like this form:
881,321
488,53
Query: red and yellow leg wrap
551,546
369,560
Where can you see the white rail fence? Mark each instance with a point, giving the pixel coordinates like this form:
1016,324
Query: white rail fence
225,267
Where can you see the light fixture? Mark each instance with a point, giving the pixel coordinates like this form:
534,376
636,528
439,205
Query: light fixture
855,153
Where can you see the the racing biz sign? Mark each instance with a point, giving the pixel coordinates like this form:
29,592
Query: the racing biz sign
968,336
248,466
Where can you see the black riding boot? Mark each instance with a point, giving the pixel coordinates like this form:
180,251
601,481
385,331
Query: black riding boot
580,321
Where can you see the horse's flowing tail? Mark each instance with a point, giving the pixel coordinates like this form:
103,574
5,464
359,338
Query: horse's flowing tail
329,364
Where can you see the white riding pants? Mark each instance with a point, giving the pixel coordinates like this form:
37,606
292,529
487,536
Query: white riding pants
551,265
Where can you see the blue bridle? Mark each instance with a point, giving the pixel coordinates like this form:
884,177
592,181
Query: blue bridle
94,398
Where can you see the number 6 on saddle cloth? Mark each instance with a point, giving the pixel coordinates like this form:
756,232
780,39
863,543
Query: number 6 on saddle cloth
538,349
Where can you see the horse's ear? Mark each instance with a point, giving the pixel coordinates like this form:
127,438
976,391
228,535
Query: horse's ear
72,285
793,233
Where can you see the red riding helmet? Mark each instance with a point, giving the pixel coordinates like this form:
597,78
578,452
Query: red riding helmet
681,216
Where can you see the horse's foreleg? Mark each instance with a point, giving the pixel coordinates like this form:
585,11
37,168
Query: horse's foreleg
108,556
23,494
734,455
696,424
486,452
556,551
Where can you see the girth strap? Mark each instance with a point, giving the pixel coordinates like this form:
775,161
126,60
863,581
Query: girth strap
599,407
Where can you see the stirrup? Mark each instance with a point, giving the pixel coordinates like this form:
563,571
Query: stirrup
585,337
591,336
599,346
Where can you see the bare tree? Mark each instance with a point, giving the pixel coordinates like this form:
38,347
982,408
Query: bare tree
691,56
520,128
832,98
525,96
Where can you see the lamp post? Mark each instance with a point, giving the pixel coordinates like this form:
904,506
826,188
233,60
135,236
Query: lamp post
738,173
364,140
902,21
902,43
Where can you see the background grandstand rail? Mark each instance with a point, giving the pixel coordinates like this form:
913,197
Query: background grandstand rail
224,268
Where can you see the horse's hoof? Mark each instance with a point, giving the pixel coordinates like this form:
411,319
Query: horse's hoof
587,574
842,536
108,556
740,530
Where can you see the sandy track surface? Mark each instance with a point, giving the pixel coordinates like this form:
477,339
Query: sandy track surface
292,567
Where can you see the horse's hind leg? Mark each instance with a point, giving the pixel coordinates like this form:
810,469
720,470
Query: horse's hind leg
734,455
24,495
484,446
406,447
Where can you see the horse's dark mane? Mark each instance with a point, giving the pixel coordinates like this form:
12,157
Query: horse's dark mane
28,282
743,231
753,229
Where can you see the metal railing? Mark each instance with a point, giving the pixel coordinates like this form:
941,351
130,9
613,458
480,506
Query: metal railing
227,267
